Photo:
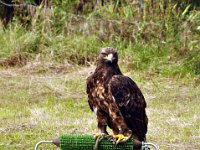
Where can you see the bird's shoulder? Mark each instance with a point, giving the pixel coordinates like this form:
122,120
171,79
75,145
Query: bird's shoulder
121,80
126,92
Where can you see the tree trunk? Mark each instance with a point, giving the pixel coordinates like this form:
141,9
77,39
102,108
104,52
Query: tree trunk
7,14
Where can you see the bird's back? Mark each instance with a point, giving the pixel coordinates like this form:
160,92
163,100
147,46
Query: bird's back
131,103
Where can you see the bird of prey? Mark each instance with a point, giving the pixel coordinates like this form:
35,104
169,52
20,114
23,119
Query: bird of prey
116,99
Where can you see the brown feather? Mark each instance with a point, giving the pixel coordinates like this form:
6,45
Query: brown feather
131,103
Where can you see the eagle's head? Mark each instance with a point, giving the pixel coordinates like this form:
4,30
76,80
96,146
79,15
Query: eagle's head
108,55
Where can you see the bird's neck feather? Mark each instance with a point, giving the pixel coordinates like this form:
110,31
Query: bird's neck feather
108,70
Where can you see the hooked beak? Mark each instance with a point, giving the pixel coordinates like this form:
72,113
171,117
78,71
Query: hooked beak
109,57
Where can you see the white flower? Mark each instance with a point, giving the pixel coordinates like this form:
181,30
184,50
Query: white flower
198,28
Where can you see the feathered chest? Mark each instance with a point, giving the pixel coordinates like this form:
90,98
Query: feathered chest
98,88
101,88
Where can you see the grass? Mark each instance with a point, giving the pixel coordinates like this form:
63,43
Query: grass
36,106
169,47
41,106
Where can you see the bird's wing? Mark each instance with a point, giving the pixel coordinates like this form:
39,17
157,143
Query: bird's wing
89,89
131,103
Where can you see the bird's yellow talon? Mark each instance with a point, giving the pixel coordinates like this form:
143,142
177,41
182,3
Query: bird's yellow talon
120,138
99,134
96,135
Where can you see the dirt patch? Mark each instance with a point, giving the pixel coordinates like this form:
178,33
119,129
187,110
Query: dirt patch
19,127
16,59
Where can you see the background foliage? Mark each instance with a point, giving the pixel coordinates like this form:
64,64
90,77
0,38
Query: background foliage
163,39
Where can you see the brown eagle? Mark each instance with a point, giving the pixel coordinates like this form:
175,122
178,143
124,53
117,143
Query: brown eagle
116,99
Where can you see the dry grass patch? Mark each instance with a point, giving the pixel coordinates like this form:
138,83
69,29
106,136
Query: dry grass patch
38,105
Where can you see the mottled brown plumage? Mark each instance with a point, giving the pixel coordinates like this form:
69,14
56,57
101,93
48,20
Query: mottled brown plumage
116,99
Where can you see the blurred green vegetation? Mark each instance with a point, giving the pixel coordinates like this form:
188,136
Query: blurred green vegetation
161,39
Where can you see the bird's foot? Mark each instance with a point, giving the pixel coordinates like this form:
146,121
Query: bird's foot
96,135
99,137
120,138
